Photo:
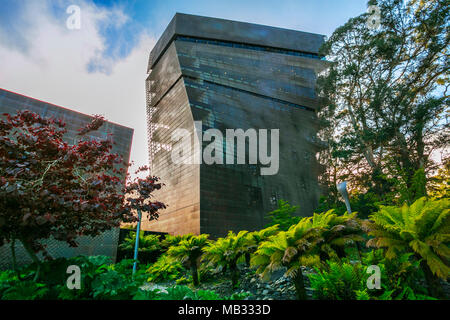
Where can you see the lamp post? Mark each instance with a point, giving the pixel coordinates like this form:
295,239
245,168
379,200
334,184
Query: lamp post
136,245
342,188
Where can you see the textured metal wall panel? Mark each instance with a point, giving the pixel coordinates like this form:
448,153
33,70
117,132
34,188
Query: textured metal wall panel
228,88
221,29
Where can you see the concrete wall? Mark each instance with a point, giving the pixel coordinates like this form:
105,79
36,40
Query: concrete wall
104,244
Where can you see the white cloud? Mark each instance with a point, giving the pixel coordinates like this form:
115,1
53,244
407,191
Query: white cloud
54,69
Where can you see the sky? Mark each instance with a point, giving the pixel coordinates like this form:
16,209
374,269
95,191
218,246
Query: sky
100,68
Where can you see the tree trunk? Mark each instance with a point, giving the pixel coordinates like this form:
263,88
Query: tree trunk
33,257
358,248
300,285
13,255
194,273
433,282
234,274
224,269
247,259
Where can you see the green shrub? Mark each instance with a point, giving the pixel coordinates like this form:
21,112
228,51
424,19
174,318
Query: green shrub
422,229
308,243
149,247
283,216
398,273
142,294
113,285
102,280
346,281
166,268
290,249
185,280
170,240
339,282
7,279
25,290
184,293
177,293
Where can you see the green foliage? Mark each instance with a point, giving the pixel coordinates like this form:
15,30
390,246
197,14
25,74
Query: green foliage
226,252
25,290
171,240
422,229
150,247
147,243
142,294
166,268
439,186
186,280
253,239
184,293
348,281
283,216
399,276
336,232
237,296
7,279
263,234
102,280
339,281
385,100
411,190
202,295
114,285
256,237
291,249
190,250
308,243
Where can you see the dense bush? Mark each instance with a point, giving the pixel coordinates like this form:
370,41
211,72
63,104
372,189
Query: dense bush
312,241
165,269
422,229
348,281
100,280
184,293
412,241
338,281
150,247
283,216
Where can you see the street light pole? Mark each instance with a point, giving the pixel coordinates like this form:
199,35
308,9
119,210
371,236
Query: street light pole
136,245
342,188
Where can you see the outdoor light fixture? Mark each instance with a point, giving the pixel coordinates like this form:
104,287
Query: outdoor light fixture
342,188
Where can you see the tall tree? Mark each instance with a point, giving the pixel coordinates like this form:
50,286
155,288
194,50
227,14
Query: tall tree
385,95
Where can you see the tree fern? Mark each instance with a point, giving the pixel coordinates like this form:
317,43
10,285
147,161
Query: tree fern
226,252
422,229
190,250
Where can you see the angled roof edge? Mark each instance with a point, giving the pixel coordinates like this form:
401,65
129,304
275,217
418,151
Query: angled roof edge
229,30
25,97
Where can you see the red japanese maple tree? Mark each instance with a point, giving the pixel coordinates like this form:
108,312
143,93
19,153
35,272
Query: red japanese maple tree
50,188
